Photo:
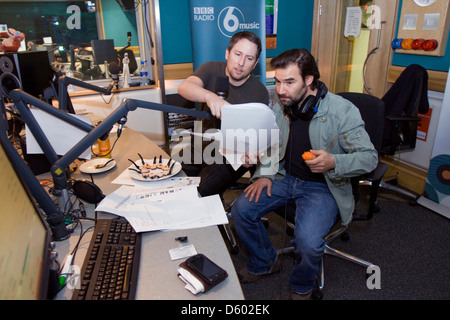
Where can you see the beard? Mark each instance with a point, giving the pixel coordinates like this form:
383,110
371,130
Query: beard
291,103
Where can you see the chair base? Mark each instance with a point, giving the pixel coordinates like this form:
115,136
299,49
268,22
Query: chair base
333,235
402,191
343,255
385,185
234,249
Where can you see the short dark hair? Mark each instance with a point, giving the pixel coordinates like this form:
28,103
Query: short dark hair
250,36
303,59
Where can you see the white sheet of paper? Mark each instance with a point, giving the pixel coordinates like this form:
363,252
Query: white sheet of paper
353,22
249,127
172,209
182,252
61,135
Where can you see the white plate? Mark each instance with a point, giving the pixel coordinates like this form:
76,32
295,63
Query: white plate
138,176
89,166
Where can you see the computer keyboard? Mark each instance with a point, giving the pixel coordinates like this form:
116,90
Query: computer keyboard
111,265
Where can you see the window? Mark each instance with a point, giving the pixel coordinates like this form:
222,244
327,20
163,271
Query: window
65,30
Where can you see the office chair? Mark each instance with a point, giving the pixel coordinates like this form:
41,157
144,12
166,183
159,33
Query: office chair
372,113
372,110
403,101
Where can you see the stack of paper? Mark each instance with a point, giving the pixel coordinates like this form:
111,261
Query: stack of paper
150,209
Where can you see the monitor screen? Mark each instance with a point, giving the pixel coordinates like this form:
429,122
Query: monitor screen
24,239
103,51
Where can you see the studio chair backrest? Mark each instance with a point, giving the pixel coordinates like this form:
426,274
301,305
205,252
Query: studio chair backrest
407,97
372,111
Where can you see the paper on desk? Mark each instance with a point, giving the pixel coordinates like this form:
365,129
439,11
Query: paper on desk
170,209
61,135
169,183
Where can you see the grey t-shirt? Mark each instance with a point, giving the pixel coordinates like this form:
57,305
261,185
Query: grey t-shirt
251,91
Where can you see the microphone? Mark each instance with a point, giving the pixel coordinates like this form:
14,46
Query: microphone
114,70
129,37
121,122
222,86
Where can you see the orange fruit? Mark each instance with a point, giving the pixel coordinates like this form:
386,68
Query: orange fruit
308,155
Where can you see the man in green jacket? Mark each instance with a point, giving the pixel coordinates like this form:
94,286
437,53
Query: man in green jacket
330,127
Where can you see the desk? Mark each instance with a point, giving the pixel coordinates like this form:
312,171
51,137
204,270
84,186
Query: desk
157,272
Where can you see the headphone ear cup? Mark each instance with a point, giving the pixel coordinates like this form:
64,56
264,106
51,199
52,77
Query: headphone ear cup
306,110
291,112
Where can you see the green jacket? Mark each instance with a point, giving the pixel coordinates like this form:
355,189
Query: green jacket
338,128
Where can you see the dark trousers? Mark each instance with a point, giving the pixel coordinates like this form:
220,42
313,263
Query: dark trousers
214,178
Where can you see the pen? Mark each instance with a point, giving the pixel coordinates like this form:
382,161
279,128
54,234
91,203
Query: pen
65,270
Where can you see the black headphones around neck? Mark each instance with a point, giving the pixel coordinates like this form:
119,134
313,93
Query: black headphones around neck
309,106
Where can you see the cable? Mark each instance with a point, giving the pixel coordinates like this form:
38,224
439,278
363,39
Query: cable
74,252
107,102
367,58
112,148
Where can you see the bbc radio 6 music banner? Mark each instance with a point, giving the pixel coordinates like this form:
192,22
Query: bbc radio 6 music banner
213,23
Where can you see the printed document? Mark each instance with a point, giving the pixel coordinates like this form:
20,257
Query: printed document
169,209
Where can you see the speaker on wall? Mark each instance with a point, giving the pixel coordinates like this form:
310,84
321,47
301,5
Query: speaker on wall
126,5
28,71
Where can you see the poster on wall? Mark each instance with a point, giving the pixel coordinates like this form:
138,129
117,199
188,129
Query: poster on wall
213,23
271,23
437,188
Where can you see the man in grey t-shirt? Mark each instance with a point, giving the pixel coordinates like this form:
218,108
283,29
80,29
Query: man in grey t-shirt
242,56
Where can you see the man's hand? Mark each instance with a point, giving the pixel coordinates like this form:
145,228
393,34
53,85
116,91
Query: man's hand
249,159
193,89
215,104
322,163
254,190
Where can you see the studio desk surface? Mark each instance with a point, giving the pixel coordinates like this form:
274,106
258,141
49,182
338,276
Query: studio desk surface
158,276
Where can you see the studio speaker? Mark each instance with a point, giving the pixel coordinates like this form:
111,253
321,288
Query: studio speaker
28,71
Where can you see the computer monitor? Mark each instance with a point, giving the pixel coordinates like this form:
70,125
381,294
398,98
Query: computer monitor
103,51
28,71
24,237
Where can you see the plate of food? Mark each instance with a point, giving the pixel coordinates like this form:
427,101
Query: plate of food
98,165
153,169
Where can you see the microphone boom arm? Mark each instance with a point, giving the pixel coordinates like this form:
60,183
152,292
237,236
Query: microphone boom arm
64,82
58,170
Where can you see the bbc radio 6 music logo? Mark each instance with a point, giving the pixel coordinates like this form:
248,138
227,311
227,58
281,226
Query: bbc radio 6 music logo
204,14
231,19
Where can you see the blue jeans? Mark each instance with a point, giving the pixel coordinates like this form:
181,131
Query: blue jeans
316,212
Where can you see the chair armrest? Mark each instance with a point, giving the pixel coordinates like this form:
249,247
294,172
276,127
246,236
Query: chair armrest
377,173
404,119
